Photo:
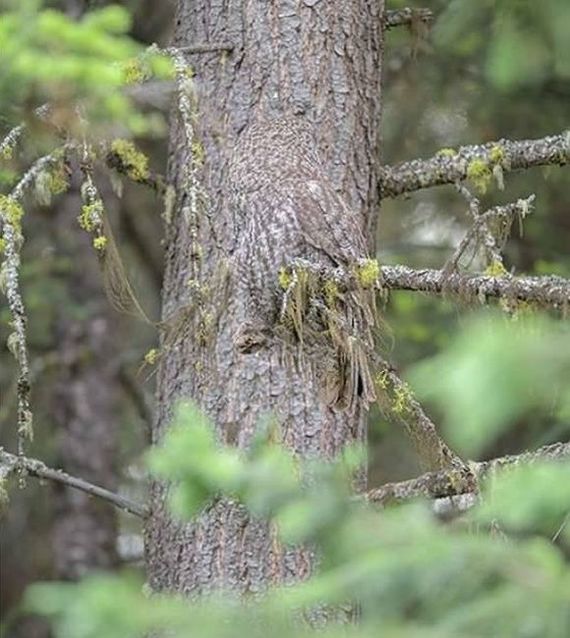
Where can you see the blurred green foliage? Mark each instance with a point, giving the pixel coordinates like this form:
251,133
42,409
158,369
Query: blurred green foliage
409,574
77,66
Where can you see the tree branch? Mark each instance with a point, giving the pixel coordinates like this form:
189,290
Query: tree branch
406,17
448,168
37,468
448,483
548,290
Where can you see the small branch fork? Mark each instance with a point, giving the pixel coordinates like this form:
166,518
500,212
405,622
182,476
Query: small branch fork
411,176
10,463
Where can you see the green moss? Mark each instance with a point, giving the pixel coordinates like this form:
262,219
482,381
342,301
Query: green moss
91,216
368,272
100,243
496,269
12,211
133,72
479,173
446,152
135,162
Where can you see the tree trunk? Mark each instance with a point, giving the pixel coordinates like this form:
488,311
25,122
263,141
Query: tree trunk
322,61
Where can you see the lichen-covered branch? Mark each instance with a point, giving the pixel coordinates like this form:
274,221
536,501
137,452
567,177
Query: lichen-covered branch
452,483
480,230
11,214
10,463
550,290
8,144
475,162
406,17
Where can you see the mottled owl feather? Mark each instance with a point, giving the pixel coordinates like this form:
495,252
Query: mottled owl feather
285,208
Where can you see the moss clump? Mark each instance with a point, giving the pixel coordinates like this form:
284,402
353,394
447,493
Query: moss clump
446,152
285,279
368,272
100,243
135,163
479,173
13,212
496,269
91,216
151,357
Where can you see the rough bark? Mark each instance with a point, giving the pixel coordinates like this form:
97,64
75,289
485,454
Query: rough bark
321,60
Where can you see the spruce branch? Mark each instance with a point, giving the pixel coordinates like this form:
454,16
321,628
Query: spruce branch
454,166
448,483
550,290
10,464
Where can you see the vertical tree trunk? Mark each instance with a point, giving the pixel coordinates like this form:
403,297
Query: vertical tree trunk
321,60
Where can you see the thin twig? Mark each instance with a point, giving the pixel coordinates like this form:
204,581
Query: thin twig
34,467
445,168
211,47
406,17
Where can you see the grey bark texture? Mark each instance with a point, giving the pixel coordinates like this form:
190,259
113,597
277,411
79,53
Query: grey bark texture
320,61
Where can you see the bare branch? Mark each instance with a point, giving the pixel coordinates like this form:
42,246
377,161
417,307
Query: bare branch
452,483
549,290
36,468
207,47
448,168
406,17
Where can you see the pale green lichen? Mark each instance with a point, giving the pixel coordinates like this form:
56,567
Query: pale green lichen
11,210
198,153
151,357
91,216
496,269
331,292
368,272
497,154
446,152
2,245
285,278
133,72
402,399
100,243
480,175
134,162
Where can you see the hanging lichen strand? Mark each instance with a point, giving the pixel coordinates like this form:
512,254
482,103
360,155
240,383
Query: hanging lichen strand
93,220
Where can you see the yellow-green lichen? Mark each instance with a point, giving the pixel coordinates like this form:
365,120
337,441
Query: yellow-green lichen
368,272
497,154
331,291
381,380
151,357
446,152
285,278
402,399
479,173
133,72
198,153
11,210
57,181
134,162
91,216
100,243
496,269
7,152
2,245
